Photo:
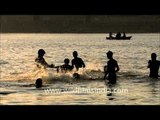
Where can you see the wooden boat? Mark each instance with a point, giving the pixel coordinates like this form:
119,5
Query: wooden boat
121,38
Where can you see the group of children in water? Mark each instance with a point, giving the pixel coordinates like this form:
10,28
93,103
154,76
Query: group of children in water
76,62
109,70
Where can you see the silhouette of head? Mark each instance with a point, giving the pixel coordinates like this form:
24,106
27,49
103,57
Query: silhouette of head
153,56
75,54
109,54
41,52
66,61
38,83
76,75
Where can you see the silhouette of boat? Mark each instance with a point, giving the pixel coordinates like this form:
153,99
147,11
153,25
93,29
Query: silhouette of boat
120,38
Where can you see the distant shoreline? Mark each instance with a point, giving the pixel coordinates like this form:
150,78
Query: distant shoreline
80,24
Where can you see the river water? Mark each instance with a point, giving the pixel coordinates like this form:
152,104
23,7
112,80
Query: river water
18,70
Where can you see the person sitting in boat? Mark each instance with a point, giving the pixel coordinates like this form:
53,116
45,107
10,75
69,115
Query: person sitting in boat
153,65
77,62
118,35
41,61
124,35
110,34
65,67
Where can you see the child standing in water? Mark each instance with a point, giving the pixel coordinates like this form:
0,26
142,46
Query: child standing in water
111,69
77,62
41,60
65,67
153,65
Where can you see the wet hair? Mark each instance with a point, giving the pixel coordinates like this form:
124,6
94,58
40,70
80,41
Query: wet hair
41,51
76,76
38,83
66,60
110,53
75,53
153,55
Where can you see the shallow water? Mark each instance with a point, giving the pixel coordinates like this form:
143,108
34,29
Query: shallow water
18,69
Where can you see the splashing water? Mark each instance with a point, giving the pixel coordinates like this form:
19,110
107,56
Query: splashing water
18,69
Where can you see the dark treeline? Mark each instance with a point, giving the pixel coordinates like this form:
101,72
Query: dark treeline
79,23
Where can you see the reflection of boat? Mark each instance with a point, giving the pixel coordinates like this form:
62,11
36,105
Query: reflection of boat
120,38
